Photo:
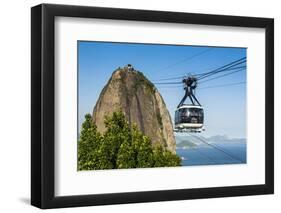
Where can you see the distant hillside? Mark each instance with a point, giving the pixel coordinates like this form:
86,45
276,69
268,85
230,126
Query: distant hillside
224,138
186,144
131,92
189,141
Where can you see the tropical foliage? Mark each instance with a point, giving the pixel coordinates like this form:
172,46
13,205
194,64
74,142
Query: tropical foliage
121,146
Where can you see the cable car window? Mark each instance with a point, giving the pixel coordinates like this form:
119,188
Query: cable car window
183,112
195,112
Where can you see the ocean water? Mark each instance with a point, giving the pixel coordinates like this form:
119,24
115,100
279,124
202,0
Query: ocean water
216,154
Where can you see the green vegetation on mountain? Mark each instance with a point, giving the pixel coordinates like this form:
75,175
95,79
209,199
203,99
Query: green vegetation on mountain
120,146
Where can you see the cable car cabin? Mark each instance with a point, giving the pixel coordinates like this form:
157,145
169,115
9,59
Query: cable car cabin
189,118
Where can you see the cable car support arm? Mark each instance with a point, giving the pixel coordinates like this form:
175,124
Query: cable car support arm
190,86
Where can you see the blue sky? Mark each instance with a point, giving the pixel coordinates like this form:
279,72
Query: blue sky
224,107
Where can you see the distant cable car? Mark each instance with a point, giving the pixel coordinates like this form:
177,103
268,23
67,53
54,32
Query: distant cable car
189,117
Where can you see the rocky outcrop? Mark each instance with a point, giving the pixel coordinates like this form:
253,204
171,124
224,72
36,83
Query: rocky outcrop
130,91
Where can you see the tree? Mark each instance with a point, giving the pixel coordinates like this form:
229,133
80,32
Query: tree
143,148
165,158
121,146
88,144
117,135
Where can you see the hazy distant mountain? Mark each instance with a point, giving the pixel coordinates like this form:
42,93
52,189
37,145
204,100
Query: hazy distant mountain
186,144
224,138
188,141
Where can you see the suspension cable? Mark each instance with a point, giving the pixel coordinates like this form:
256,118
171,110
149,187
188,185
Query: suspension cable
219,149
226,74
187,58
221,69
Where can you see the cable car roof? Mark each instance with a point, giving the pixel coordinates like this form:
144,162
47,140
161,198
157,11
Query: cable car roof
189,106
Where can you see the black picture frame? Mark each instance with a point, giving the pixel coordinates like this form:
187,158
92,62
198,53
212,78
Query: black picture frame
43,102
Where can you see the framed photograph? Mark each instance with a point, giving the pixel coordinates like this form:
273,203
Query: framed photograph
139,106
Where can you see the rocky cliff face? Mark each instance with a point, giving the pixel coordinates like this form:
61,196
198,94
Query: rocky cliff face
131,92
